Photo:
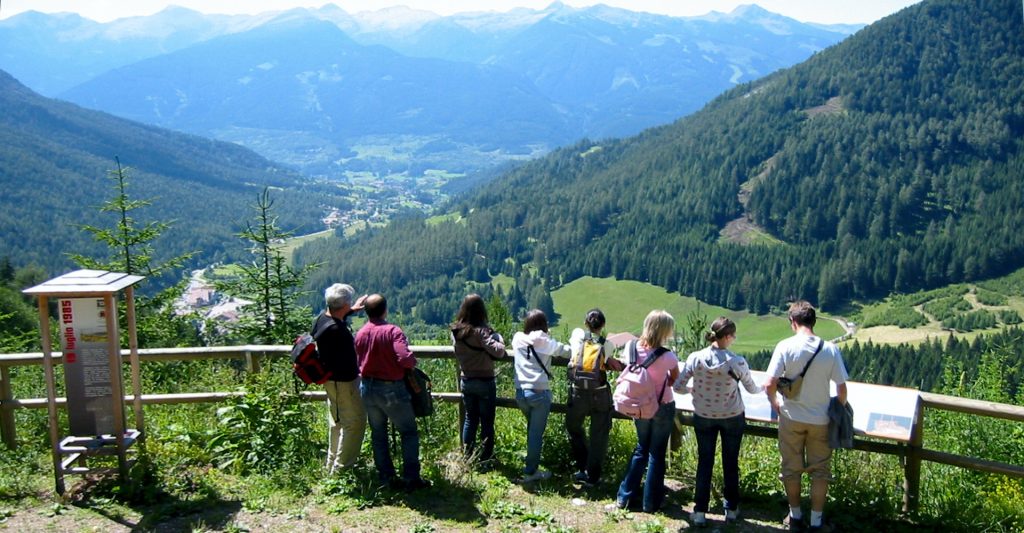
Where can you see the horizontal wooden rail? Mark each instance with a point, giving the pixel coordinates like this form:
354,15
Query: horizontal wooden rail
972,463
973,407
912,453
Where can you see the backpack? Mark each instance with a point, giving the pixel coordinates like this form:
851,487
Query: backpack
306,363
586,370
637,394
418,383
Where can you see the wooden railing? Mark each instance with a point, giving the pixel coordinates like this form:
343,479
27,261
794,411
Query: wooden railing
912,453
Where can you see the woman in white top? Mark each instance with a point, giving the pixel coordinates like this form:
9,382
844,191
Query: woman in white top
533,349
718,409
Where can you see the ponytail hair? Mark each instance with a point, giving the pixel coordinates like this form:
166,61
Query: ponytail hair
722,327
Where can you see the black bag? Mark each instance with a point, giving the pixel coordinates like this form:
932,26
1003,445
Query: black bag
306,363
790,388
419,386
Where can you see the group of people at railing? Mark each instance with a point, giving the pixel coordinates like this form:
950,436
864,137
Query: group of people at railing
367,385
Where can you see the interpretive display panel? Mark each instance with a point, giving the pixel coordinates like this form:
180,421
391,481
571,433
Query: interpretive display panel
85,342
878,410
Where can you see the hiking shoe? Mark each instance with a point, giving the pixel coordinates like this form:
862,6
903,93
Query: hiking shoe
698,519
794,524
825,527
393,483
581,477
732,515
619,504
539,475
417,484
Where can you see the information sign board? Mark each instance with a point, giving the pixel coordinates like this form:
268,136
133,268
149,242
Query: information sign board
878,410
85,342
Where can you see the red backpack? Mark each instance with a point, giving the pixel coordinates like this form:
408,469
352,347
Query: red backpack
306,363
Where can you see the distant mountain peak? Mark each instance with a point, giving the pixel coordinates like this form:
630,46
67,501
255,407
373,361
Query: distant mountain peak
177,10
751,10
395,17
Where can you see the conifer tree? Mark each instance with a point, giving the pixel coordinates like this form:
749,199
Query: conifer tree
269,281
130,243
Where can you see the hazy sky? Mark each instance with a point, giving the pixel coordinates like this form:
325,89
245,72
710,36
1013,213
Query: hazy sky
826,11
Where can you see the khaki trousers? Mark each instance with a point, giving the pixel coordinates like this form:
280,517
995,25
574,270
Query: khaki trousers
346,419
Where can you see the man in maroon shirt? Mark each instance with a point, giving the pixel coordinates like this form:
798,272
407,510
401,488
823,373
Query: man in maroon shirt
384,357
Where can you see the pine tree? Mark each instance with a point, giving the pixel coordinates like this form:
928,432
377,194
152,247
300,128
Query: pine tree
269,281
130,242
131,251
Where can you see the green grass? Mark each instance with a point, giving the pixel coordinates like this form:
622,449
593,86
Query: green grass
292,244
448,217
763,238
503,282
228,270
626,303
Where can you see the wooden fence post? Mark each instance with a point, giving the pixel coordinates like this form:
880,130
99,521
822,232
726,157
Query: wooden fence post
912,468
7,426
252,362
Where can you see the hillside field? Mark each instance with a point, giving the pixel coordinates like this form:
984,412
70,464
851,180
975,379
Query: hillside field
937,313
626,303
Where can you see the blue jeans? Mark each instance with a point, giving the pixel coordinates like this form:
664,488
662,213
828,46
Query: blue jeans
535,405
649,456
479,396
384,401
707,430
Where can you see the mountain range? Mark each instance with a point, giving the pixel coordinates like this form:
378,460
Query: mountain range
889,162
400,90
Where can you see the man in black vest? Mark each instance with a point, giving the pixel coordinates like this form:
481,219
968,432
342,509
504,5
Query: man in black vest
346,417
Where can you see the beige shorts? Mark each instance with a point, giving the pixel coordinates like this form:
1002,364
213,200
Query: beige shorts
804,448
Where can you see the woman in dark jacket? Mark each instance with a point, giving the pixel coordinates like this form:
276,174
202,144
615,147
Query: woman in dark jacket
477,346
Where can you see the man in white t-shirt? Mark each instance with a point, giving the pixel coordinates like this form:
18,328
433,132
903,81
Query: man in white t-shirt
803,420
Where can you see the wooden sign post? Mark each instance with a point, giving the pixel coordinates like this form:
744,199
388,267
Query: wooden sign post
91,356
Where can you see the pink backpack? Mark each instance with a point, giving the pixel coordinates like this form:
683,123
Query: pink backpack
637,394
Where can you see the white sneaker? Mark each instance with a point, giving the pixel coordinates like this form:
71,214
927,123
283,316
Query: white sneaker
698,519
731,515
539,475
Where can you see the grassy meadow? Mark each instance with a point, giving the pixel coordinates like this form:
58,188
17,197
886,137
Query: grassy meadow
626,303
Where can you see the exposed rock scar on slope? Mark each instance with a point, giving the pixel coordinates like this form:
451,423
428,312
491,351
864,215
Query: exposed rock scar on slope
831,106
743,230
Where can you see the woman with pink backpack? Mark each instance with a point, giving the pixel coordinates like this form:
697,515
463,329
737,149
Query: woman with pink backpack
649,362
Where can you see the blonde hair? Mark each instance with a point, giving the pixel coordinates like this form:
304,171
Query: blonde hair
658,327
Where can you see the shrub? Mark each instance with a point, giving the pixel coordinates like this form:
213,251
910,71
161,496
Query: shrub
987,297
265,429
891,314
981,319
946,308
1009,317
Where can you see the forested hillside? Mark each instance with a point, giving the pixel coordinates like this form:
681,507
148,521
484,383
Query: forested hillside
54,159
890,162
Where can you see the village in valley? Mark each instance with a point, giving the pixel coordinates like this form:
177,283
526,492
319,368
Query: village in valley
374,199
